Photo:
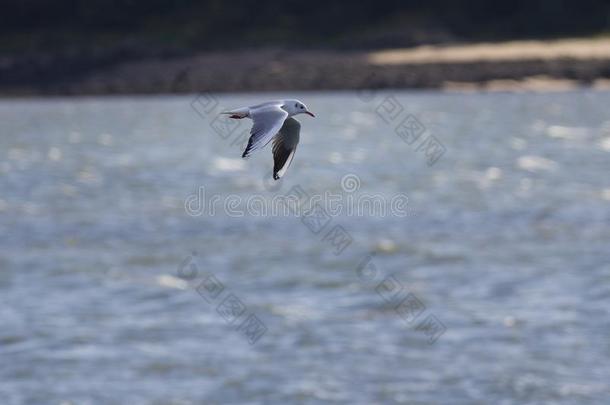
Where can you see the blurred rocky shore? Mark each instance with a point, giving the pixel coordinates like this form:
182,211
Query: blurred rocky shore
509,65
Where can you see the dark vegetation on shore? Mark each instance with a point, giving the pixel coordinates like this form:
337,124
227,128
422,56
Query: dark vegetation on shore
55,46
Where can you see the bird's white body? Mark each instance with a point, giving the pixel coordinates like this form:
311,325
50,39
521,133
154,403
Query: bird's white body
291,106
273,120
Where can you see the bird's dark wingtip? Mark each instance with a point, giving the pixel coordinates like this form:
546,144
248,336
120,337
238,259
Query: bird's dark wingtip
275,176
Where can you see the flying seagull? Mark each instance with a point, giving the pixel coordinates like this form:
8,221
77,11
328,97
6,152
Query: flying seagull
273,120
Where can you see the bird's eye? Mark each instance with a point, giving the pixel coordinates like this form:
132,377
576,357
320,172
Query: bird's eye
301,107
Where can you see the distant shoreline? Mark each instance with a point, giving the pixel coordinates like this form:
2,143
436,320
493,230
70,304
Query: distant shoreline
509,66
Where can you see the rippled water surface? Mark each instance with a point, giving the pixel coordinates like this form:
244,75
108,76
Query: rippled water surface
506,246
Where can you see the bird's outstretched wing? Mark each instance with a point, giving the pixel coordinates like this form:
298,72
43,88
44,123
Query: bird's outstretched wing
284,146
268,119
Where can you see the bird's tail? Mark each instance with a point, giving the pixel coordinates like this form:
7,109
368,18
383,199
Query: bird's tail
238,113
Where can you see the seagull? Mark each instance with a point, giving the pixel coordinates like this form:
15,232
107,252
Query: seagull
273,120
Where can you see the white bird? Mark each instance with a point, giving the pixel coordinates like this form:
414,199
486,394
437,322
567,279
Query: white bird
273,120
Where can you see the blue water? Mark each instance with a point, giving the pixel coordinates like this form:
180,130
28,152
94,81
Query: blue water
110,290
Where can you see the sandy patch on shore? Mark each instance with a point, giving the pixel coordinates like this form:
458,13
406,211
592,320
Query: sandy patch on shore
511,66
529,84
581,49
535,83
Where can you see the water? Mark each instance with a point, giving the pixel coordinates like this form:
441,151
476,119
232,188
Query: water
505,244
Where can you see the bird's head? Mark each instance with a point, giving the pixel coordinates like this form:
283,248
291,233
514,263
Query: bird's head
294,107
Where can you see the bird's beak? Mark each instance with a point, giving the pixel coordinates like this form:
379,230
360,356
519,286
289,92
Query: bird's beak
310,113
